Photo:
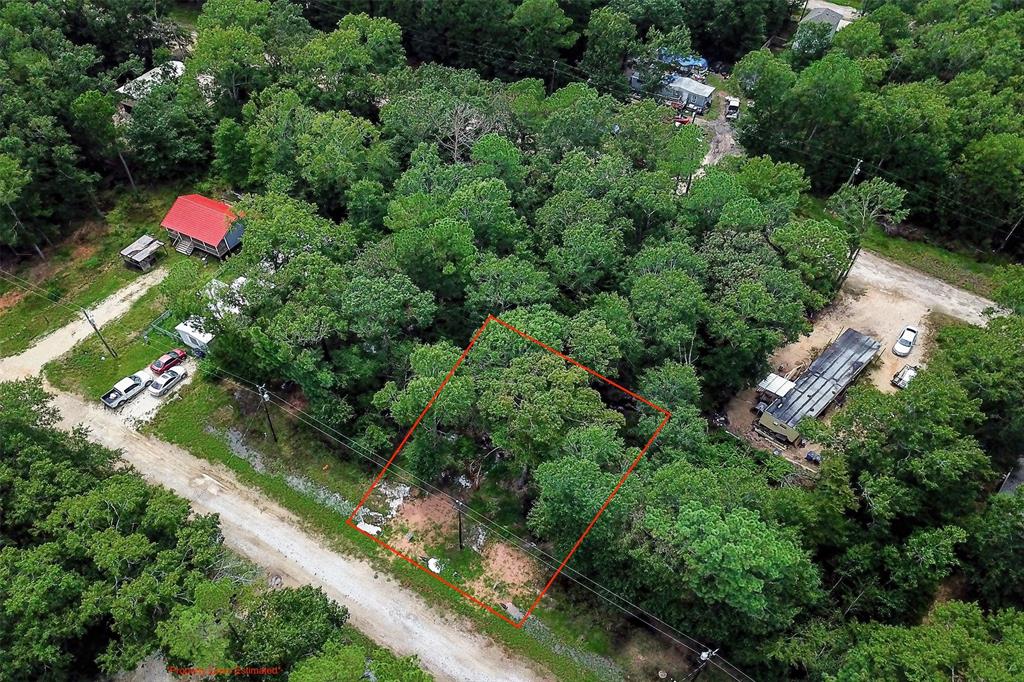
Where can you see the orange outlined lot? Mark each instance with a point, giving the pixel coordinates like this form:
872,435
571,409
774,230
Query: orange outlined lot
476,336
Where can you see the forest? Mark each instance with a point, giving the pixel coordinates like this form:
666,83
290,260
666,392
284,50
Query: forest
923,94
99,569
406,169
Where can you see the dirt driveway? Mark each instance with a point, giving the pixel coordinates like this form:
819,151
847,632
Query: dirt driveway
879,298
271,536
56,343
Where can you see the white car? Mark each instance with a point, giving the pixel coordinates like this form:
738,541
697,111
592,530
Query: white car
905,344
166,381
732,108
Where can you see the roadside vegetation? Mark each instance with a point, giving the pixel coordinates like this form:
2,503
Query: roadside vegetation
970,269
80,271
98,569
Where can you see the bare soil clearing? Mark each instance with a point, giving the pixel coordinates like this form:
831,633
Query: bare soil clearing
430,523
723,140
509,575
10,298
424,521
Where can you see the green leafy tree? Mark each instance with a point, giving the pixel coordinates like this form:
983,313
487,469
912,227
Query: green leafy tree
529,406
812,40
499,284
867,203
994,545
956,637
863,42
818,249
544,29
94,115
169,132
611,39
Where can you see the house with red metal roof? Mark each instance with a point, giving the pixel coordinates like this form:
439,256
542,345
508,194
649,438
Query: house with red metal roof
196,222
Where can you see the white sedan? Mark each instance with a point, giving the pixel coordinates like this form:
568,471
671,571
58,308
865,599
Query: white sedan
905,344
166,381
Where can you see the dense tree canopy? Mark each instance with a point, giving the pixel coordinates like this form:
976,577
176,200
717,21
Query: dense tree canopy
99,569
924,94
392,205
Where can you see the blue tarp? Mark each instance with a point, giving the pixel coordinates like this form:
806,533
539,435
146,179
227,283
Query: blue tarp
689,62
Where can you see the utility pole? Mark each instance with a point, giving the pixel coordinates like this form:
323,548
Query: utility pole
458,508
551,85
1010,233
266,399
856,172
92,323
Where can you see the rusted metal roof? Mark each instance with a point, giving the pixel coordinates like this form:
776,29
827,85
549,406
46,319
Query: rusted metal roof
828,376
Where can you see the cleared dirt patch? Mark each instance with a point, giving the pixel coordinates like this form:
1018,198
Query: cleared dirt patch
879,299
10,298
879,314
425,521
509,574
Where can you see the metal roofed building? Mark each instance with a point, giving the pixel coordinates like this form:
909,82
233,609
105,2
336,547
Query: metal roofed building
690,93
1014,479
824,15
134,90
828,376
775,385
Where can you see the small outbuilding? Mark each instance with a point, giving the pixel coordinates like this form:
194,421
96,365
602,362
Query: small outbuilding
135,89
824,15
197,222
825,380
142,252
774,386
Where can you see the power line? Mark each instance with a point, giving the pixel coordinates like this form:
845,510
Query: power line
581,579
12,278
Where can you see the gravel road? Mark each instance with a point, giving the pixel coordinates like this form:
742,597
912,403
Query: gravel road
56,343
270,535
872,271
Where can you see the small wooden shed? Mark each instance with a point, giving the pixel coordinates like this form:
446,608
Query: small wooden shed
142,252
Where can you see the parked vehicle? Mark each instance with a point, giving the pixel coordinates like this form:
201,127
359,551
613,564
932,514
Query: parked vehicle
813,457
126,389
166,381
905,344
168,360
903,377
732,108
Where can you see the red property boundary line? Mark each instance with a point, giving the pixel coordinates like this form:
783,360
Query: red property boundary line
579,541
